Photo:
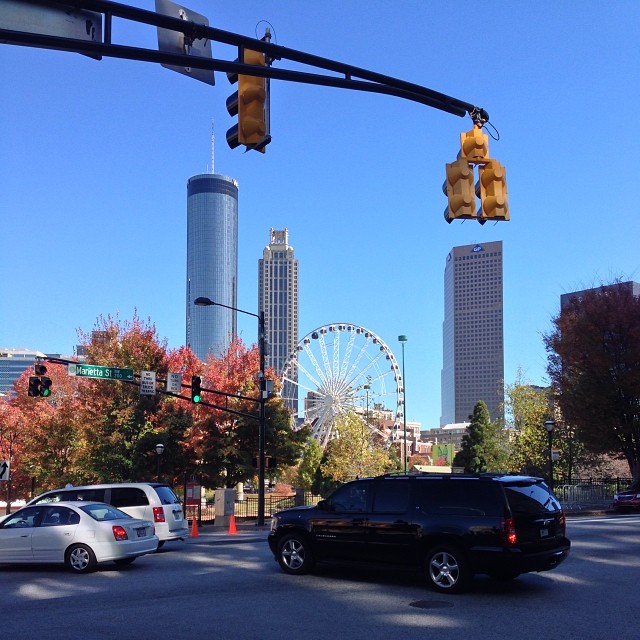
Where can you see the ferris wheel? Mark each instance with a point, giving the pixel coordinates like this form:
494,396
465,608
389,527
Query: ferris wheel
342,368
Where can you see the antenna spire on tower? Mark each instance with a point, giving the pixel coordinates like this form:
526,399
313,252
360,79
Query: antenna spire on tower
212,149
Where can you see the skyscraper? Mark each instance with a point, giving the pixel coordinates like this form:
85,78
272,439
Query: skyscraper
472,336
212,262
278,298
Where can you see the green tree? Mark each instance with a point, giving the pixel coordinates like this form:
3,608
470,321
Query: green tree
594,366
357,451
309,465
482,446
526,409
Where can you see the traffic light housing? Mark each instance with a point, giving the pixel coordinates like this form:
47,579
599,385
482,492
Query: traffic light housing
251,104
40,384
493,192
460,191
474,145
34,386
196,390
45,387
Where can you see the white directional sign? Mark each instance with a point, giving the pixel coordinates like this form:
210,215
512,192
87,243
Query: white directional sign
5,467
174,382
147,383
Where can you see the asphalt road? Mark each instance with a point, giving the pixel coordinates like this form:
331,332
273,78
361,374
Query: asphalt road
230,588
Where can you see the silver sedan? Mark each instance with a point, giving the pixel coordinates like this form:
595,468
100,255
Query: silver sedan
78,534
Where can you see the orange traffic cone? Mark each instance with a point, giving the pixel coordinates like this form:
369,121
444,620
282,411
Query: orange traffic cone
194,528
232,525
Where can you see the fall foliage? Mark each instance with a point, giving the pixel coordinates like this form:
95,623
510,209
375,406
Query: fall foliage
594,365
93,430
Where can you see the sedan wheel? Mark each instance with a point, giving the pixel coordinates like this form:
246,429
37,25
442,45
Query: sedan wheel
80,559
447,569
294,555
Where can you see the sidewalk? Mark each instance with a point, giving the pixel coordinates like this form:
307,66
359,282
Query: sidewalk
245,532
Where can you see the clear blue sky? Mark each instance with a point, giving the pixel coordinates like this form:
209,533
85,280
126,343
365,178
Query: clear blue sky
94,159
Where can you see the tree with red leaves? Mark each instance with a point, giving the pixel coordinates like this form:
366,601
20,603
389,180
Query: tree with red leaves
594,365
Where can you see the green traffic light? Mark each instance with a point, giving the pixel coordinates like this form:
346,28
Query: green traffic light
45,393
196,398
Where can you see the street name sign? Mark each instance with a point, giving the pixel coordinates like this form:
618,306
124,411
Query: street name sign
83,370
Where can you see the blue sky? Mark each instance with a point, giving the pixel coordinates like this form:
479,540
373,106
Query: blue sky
95,156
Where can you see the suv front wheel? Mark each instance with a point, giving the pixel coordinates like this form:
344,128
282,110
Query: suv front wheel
294,555
447,569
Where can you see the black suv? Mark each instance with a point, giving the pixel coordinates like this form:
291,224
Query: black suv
450,526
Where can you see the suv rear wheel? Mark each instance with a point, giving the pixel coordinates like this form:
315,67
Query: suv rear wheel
294,555
447,569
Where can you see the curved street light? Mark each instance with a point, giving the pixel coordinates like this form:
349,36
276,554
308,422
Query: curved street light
207,302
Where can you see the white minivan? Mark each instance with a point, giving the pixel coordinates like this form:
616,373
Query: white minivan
153,501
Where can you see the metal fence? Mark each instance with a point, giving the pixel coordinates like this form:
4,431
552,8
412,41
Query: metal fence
247,508
586,493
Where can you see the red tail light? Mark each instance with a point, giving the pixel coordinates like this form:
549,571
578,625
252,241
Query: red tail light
509,530
158,514
119,533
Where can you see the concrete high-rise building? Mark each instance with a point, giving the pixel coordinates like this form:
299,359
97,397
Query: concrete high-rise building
473,345
212,262
278,298
632,287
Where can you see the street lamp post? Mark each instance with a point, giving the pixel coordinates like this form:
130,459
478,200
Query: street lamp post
206,302
402,340
159,452
549,425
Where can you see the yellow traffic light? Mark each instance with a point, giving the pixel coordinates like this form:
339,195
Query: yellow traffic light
460,191
251,104
474,145
493,192
252,96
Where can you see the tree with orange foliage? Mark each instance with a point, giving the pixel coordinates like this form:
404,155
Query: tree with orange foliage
93,430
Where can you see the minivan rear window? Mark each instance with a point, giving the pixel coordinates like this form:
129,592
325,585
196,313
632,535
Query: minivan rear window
166,495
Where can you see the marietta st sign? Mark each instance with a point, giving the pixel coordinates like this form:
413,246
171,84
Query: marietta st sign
96,371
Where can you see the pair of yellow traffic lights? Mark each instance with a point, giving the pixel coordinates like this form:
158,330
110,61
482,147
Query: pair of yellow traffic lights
251,104
461,189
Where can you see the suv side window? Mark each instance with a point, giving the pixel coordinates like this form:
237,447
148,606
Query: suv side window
459,498
351,498
391,496
128,497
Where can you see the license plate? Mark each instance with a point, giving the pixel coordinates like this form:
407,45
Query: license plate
142,532
544,533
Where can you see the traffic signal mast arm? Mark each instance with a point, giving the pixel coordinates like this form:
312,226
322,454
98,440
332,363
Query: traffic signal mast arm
367,80
33,389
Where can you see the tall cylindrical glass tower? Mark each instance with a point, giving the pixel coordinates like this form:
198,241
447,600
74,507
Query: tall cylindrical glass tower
212,262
